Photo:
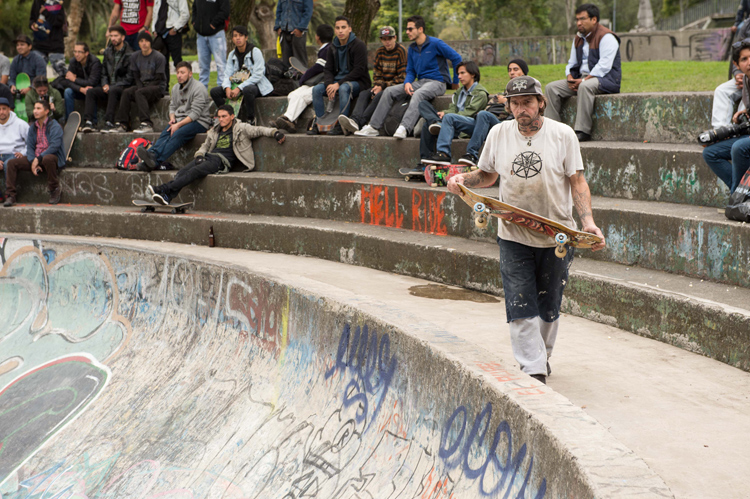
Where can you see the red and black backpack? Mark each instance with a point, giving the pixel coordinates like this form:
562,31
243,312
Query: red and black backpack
129,159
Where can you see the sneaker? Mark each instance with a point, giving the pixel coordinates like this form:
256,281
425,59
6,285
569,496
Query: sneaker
150,192
142,167
418,128
348,125
540,377
108,127
54,196
313,130
146,157
119,128
367,131
160,198
283,123
145,127
439,158
435,128
9,201
88,127
400,132
336,130
468,159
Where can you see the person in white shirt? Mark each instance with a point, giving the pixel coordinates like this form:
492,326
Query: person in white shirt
13,133
593,68
539,164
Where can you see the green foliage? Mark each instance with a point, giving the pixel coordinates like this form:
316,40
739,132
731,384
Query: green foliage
15,20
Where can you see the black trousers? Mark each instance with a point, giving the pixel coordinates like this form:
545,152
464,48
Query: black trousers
144,98
366,105
97,95
190,173
293,46
171,45
249,94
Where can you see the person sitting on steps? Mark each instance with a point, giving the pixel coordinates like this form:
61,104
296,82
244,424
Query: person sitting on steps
226,143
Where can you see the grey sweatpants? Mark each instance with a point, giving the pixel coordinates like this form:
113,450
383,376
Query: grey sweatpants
532,340
558,90
423,90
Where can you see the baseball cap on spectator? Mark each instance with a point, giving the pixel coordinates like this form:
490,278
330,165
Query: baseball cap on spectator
145,35
523,85
387,31
22,39
4,102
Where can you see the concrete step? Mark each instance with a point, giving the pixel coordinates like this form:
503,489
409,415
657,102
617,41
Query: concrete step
674,173
691,240
705,318
673,117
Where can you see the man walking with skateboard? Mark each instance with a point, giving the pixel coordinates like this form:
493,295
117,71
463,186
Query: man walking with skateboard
541,170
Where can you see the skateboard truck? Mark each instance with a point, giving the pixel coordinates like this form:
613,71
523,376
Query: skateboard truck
561,240
480,215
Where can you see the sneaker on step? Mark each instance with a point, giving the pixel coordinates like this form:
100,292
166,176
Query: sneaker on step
108,127
439,158
150,192
468,159
119,128
146,157
400,132
145,127
160,198
336,130
283,123
88,127
435,128
348,125
54,196
367,131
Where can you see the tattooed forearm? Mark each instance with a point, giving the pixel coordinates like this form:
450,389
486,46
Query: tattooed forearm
479,178
581,197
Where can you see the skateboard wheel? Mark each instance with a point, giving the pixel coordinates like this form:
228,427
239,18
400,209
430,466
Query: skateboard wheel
407,177
433,167
481,222
433,184
174,211
561,251
144,210
479,207
561,238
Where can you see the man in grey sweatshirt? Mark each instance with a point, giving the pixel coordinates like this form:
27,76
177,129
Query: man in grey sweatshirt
188,116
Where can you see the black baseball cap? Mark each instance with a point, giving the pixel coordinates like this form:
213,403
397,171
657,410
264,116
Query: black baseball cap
523,85
22,39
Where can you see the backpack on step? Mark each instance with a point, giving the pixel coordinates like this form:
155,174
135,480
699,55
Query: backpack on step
739,202
128,159
396,114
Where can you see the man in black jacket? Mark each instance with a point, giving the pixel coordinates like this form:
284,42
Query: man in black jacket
48,22
209,19
116,77
84,73
346,73
147,68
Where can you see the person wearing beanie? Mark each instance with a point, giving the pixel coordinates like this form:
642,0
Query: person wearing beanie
494,113
539,164
147,68
227,143
594,68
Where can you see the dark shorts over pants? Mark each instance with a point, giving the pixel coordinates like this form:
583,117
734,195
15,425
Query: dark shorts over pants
533,280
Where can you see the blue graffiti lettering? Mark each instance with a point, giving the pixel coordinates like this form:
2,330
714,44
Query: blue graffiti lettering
456,451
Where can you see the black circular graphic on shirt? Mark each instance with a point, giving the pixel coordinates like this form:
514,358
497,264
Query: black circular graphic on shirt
526,165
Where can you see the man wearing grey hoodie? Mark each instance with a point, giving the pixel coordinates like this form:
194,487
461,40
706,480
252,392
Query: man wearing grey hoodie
188,116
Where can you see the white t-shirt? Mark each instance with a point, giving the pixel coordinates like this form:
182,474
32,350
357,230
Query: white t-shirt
533,177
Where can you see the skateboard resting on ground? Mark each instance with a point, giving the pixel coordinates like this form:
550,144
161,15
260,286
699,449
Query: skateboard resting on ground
483,207
151,206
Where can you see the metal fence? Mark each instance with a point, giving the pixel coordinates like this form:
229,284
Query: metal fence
699,11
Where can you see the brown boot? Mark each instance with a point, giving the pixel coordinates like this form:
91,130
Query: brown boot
54,196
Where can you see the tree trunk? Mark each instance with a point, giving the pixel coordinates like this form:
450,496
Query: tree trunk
361,13
75,17
260,14
570,15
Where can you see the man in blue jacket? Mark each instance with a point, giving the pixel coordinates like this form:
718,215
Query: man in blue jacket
27,61
246,66
427,75
44,152
292,19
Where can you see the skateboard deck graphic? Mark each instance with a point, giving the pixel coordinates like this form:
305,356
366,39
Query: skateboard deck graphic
151,206
439,175
484,207
22,82
69,133
235,80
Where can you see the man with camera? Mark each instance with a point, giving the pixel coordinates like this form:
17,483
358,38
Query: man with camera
730,158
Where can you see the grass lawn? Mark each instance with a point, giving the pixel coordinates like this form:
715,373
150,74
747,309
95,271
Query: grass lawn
651,76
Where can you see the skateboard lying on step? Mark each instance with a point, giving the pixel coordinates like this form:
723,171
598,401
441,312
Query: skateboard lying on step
151,206
439,175
484,207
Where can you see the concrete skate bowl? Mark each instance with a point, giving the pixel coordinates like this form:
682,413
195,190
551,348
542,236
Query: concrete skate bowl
144,375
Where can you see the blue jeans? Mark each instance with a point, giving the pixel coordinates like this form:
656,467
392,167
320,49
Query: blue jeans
482,124
453,126
533,280
70,96
216,45
167,144
348,91
718,156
